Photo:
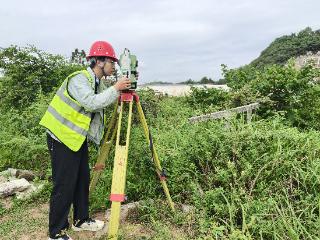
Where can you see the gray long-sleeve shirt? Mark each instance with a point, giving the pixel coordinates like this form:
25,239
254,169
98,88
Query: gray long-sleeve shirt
81,90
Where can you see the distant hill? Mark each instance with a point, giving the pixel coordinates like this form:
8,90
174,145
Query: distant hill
288,46
155,83
204,80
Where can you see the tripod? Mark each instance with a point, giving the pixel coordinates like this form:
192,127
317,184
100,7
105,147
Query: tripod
121,155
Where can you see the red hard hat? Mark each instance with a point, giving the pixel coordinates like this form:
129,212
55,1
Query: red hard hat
102,49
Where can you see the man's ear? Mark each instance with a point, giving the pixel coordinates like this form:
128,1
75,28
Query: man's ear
92,62
100,64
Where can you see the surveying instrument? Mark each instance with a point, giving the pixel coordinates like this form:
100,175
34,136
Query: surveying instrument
128,67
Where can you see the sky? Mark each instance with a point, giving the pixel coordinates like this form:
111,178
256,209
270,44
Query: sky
174,40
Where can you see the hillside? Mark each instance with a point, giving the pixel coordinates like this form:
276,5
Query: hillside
289,46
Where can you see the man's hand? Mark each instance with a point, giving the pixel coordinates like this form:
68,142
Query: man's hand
122,84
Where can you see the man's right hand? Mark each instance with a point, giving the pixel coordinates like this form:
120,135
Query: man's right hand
122,84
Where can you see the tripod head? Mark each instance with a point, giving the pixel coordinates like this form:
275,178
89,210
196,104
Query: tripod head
128,67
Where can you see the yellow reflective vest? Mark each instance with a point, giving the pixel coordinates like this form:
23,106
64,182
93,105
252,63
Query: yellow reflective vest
66,118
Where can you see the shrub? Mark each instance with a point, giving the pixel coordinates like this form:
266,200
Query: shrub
29,71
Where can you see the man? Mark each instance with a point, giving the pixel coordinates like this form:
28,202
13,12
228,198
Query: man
75,114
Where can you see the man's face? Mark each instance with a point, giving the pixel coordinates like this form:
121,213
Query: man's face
109,67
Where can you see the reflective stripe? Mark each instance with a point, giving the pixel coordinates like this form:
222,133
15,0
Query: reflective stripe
66,122
80,119
69,101
66,135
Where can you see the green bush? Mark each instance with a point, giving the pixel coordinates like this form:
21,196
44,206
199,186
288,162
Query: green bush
208,99
280,89
29,71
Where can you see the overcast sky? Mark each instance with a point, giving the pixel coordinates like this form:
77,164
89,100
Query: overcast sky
174,40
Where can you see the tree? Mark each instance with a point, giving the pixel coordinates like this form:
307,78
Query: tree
78,57
28,71
206,80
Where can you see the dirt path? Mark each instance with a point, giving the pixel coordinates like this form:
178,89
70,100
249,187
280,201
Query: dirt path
32,224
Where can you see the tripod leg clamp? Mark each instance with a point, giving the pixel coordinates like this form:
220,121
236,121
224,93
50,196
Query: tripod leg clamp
99,167
117,197
163,174
162,178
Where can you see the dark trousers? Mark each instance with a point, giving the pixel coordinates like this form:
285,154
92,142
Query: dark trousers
71,177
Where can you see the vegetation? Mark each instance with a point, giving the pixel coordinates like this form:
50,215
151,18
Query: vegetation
78,57
280,89
244,181
29,72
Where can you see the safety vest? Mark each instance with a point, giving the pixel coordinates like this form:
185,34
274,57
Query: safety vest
66,118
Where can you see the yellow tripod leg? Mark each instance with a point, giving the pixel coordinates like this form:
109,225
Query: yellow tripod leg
104,150
119,176
156,160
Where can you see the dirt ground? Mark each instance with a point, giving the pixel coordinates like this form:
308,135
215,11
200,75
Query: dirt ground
31,223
